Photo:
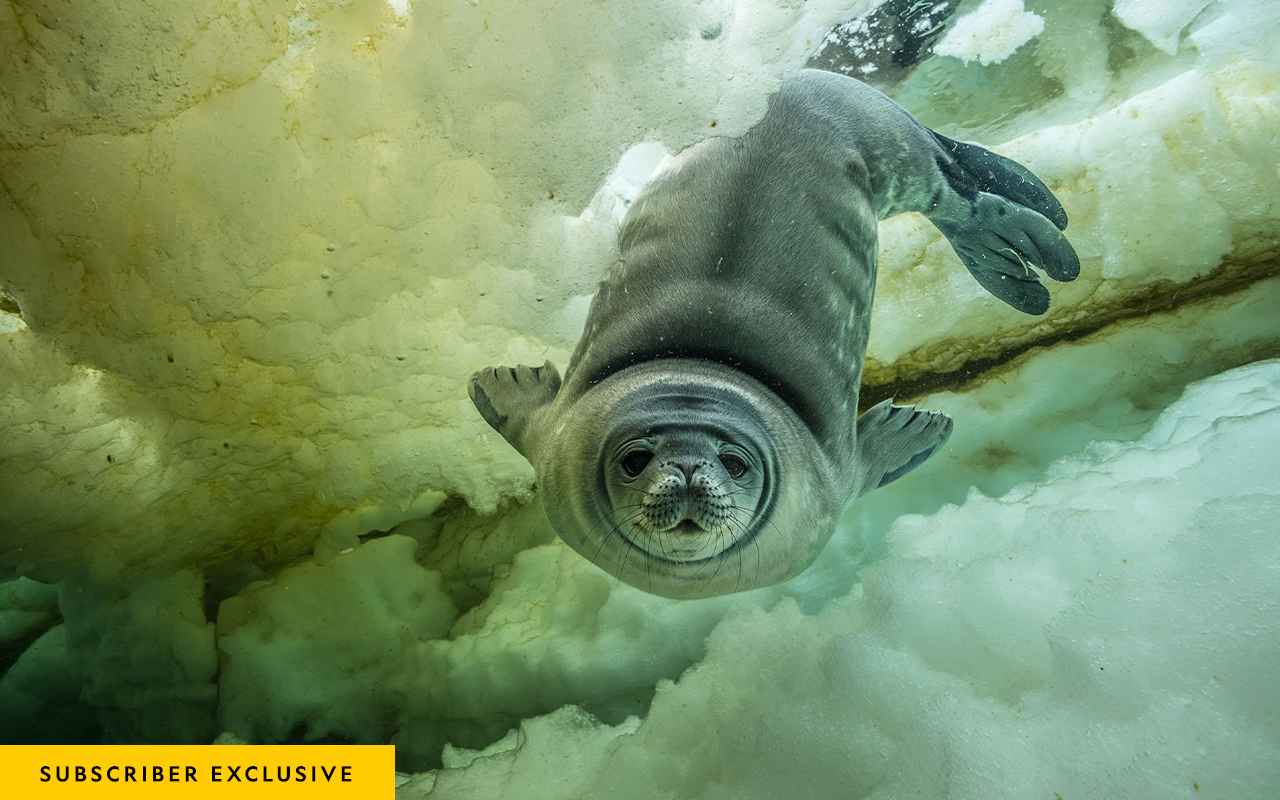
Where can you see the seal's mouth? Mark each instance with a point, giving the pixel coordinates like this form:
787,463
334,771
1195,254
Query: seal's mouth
685,526
686,542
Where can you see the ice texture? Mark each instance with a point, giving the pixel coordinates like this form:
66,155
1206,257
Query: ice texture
991,32
366,647
1108,629
258,248
127,667
357,617
253,249
1161,21
251,288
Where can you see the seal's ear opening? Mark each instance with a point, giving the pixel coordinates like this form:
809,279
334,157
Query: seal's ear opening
511,400
893,440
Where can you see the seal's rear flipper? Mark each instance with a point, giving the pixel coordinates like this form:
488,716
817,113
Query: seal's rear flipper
510,399
1002,221
893,440
985,171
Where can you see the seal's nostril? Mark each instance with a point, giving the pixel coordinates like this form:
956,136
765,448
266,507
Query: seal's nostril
688,470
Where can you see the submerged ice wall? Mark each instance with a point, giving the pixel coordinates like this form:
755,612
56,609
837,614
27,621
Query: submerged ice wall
253,250
257,247
253,273
1108,630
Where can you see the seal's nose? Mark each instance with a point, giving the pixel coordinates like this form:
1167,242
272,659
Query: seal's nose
688,468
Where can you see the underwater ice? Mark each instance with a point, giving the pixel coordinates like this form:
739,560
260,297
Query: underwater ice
252,250
991,32
1109,629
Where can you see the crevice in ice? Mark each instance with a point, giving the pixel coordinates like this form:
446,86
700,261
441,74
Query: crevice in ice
910,377
11,320
28,610
227,580
469,548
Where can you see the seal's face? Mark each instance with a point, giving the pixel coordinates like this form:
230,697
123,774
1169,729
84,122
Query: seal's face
670,475
685,494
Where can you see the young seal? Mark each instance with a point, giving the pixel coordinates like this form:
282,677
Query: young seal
705,435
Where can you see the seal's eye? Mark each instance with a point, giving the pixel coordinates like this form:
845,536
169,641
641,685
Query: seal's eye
633,463
733,465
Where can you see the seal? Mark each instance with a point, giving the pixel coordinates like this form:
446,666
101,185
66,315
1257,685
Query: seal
705,435
886,44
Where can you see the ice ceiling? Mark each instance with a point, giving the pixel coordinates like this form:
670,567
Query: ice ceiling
251,250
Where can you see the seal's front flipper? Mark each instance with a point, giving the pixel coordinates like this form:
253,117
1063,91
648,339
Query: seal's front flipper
1002,221
511,398
893,440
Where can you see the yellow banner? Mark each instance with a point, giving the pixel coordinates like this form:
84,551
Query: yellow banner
230,772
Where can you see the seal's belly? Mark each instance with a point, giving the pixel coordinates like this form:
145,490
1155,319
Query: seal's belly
753,255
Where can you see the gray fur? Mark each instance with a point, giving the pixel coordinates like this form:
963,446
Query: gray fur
732,332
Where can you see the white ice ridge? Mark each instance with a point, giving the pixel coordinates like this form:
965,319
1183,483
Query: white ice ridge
401,9
1108,630
991,32
1161,21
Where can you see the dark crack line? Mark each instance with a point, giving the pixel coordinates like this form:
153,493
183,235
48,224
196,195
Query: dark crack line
1231,277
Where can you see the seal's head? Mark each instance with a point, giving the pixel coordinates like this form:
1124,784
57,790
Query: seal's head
686,491
669,475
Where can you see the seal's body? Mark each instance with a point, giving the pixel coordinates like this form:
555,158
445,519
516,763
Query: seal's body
705,435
